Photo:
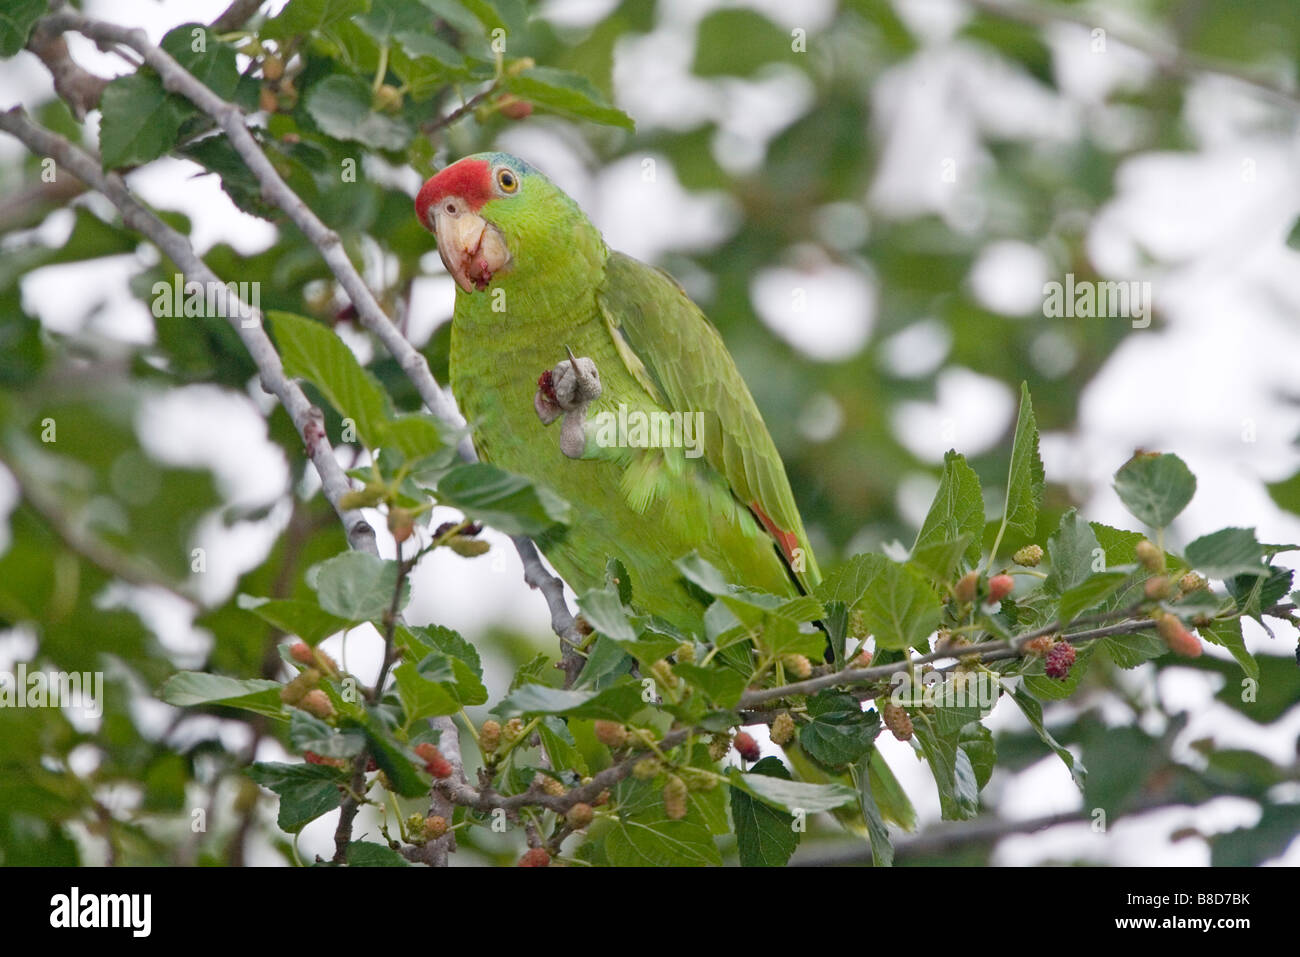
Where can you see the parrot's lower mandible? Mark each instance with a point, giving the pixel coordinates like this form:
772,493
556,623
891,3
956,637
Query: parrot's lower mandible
660,450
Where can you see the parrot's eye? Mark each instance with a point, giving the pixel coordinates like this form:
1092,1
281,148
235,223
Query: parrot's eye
507,180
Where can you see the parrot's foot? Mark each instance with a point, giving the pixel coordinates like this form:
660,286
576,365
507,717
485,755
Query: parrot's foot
567,390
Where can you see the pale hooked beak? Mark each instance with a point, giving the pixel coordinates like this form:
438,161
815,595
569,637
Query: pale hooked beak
471,248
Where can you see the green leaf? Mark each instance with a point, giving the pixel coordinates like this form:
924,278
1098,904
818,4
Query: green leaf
422,698
1269,837
900,608
140,121
340,105
604,610
939,560
792,795
1227,634
309,733
430,637
616,703
306,791
309,17
650,839
1287,493
186,689
740,42
956,514
560,746
1227,552
311,350
1088,594
977,741
1033,711
1255,594
455,675
1293,237
894,804
848,583
1025,480
1119,544
305,619
16,22
370,854
954,775
1155,488
214,66
882,846
1073,551
568,94
391,758
722,686
357,586
739,599
840,732
509,503
765,837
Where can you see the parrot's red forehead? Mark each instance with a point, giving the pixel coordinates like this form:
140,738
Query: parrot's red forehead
469,179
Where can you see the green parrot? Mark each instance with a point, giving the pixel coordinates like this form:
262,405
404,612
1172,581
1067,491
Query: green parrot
662,450
537,284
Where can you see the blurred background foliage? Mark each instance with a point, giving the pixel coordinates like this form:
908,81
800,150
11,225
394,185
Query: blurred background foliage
97,568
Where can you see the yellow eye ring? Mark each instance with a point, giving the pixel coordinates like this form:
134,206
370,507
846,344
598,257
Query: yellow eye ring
507,180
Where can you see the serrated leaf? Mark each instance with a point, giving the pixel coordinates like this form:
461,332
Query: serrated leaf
954,776
722,686
650,839
900,608
956,514
312,351
1072,552
616,703
604,610
396,764
340,106
309,733
139,121
848,583
1033,711
840,732
370,854
568,94
422,698
509,503
765,836
882,846
1087,594
792,796
454,675
1227,552
428,637
306,791
186,689
1025,480
1155,488
309,17
357,586
214,66
1227,634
